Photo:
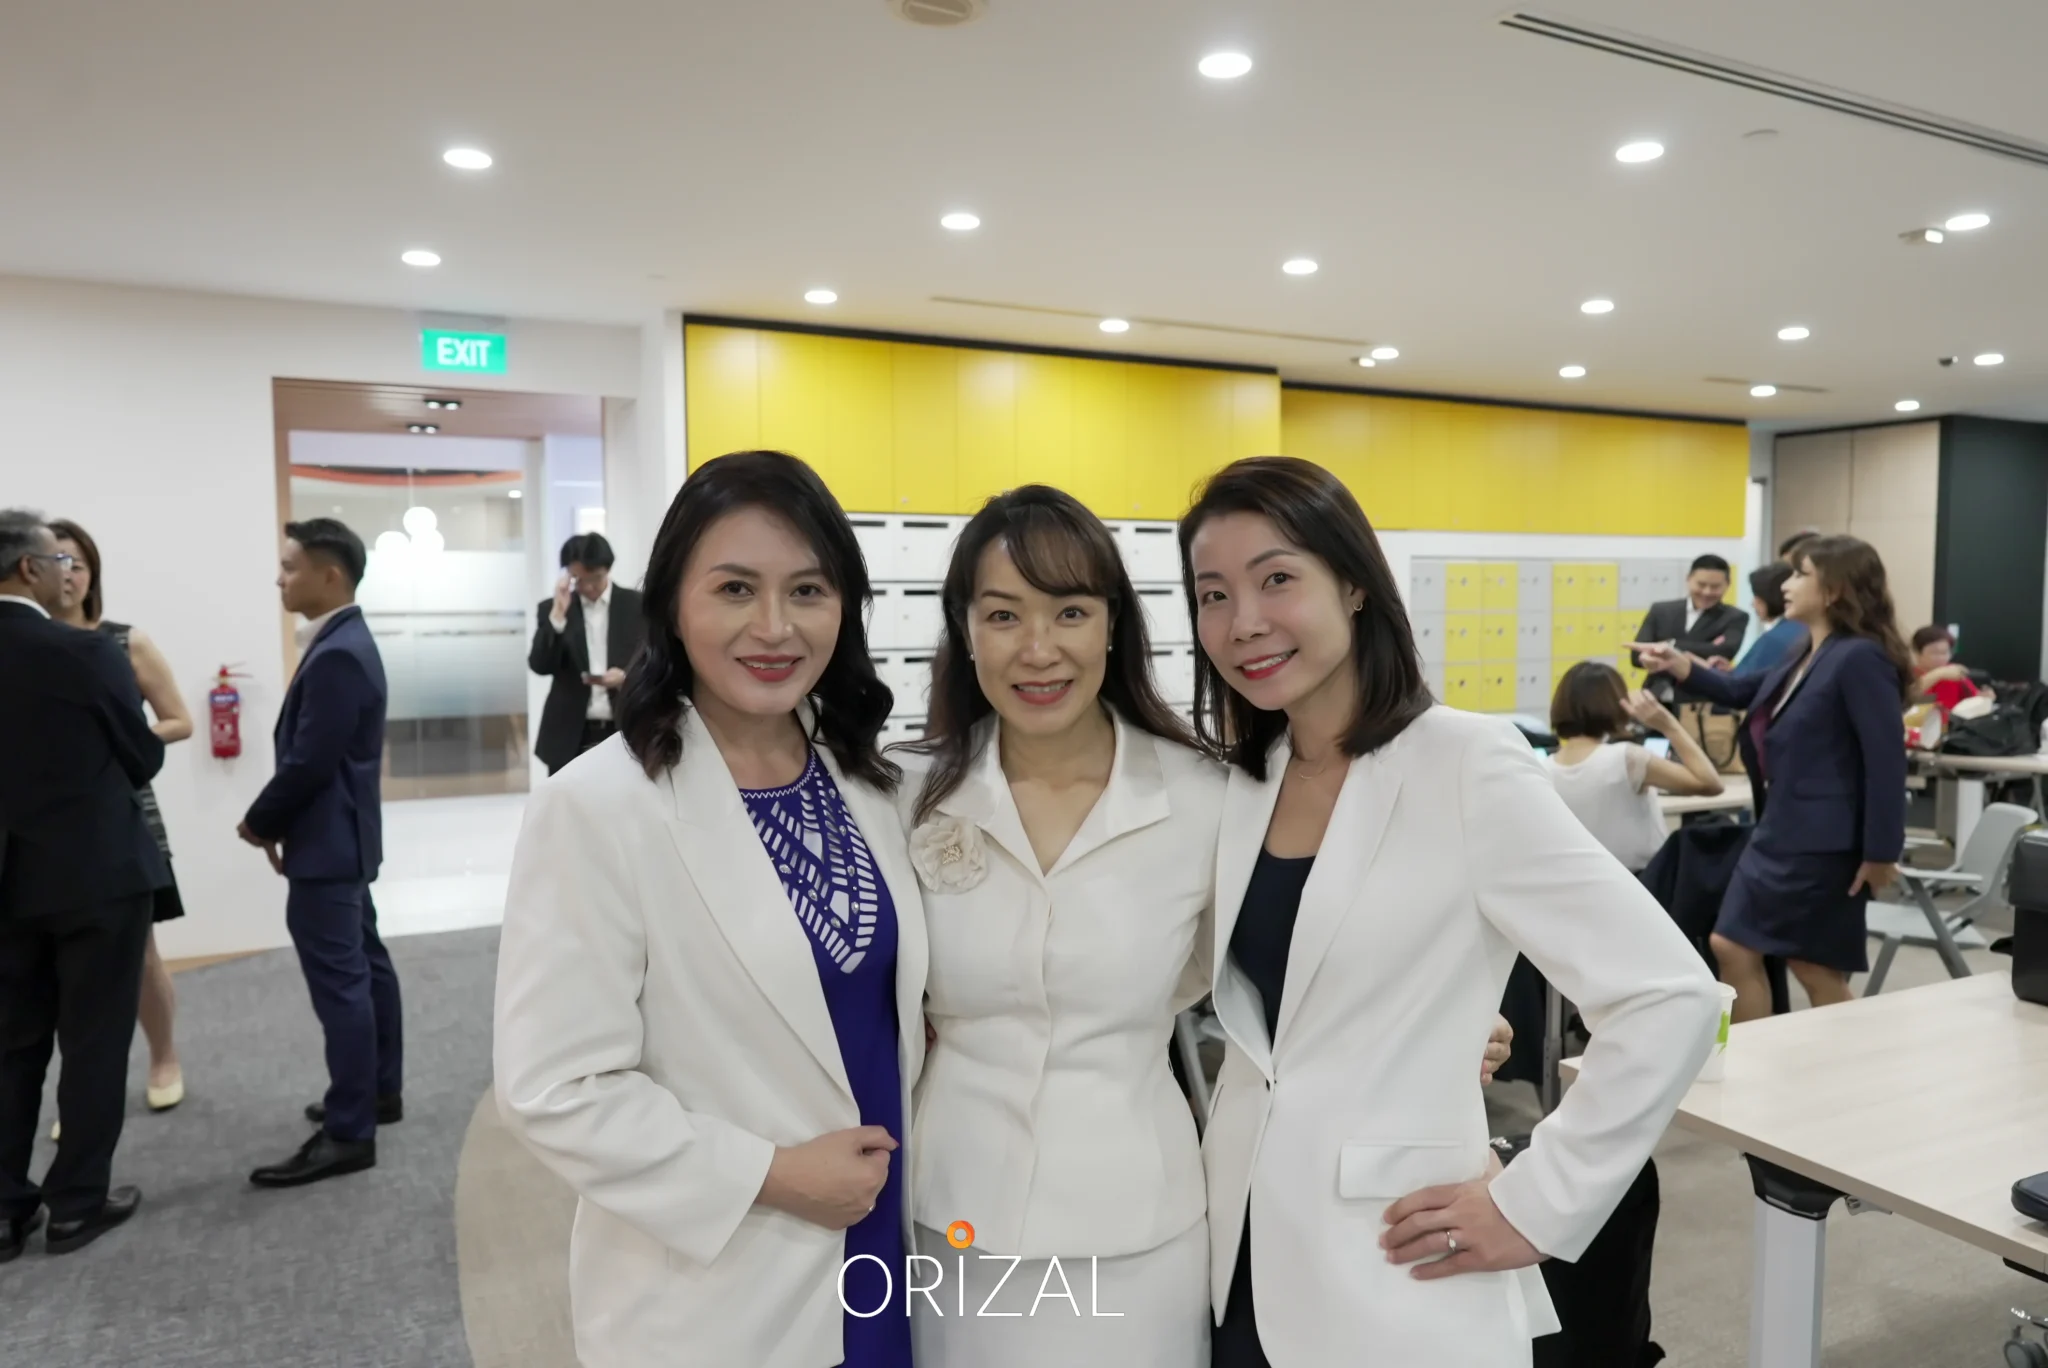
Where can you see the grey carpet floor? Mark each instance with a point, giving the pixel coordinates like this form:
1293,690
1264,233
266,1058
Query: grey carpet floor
356,1272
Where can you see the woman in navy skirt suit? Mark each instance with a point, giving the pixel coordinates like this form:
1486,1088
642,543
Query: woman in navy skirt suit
1825,727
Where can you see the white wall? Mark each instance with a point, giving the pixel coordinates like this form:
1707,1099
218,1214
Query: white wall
146,415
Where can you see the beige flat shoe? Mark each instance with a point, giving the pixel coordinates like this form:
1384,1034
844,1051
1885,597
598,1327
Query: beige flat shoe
56,1130
166,1097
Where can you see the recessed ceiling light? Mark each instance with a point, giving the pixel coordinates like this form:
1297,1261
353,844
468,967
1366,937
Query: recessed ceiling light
821,297
1639,152
961,221
1114,325
421,257
1224,66
467,158
1932,237
1795,333
1385,353
1989,358
433,403
1299,266
1762,391
1967,223
514,494
1572,372
422,427
1907,406
1597,306
1366,361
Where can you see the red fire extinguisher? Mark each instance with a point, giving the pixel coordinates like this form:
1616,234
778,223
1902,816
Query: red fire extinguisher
224,705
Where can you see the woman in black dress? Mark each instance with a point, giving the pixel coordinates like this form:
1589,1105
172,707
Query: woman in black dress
83,603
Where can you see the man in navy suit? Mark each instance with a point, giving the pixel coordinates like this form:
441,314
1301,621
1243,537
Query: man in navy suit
321,822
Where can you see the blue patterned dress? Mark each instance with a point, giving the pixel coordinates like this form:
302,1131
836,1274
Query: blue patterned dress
846,910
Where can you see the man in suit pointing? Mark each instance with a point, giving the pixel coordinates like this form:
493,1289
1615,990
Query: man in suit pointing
585,638
1700,623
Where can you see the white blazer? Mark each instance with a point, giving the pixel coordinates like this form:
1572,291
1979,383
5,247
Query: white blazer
1047,1115
1448,851
660,1031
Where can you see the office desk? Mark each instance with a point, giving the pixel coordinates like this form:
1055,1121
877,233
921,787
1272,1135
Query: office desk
1733,796
1960,801
1926,1104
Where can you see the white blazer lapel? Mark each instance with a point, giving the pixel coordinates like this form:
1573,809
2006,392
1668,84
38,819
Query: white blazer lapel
723,855
1247,812
1349,844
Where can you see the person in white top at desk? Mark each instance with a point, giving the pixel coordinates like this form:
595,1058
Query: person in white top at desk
1383,860
1613,788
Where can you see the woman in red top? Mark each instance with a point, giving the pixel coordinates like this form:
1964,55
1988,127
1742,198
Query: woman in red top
1936,675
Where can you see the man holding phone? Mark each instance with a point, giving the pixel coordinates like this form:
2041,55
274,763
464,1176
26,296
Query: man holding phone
585,637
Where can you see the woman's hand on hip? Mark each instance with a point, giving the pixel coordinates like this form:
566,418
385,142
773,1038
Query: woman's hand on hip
1459,1221
1875,875
831,1181
1498,1047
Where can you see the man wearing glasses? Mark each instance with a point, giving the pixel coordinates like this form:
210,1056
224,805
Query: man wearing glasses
77,868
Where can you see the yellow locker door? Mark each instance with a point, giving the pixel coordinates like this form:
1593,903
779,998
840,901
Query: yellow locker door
796,385
987,419
1603,583
1567,634
1045,420
1498,589
1497,689
1596,633
1464,586
1464,685
1101,477
927,428
1387,488
1463,634
722,391
861,422
1631,673
1497,636
1567,585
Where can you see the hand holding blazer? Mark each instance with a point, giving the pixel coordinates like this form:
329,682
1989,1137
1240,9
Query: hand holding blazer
1448,851
660,1031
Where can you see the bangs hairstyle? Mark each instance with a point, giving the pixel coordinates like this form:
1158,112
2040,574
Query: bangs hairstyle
1313,511
1062,549
1588,702
850,701
1852,573
66,530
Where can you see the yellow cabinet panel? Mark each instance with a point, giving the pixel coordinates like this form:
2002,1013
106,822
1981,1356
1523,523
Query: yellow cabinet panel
796,385
1497,689
1430,441
1464,686
861,426
927,428
1500,472
1498,588
1256,416
1567,585
987,425
1603,583
723,392
1497,636
1208,432
1387,488
1153,445
1101,473
1567,634
1463,633
1547,500
1045,420
1464,586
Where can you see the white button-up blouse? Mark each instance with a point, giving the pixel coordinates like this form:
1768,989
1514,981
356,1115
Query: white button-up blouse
1047,1116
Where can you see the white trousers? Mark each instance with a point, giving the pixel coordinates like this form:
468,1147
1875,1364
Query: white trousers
1148,1310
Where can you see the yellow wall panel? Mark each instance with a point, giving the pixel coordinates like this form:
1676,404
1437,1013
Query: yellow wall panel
1209,432
861,415
1387,488
926,384
1256,416
1430,438
1500,472
722,391
796,385
1547,497
1045,420
987,426
1101,475
1155,443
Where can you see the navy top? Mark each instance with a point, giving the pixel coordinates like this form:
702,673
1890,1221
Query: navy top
1265,927
846,910
1783,640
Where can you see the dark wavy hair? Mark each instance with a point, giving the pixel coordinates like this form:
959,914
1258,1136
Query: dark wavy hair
1852,571
850,701
1060,548
1312,510
95,598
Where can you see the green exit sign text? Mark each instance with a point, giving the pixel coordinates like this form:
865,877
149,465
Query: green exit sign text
463,351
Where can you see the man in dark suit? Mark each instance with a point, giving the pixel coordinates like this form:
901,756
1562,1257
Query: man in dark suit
320,819
77,868
586,636
1700,623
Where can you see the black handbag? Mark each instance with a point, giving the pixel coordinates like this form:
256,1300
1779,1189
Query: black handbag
2030,1197
2026,888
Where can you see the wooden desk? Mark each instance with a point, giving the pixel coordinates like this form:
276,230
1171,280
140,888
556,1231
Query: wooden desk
1925,1103
1733,796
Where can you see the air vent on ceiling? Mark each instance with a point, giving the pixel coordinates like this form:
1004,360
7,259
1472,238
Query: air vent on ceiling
938,13
1154,322
1731,72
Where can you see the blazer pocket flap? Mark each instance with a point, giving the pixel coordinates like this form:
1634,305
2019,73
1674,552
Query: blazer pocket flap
1395,1168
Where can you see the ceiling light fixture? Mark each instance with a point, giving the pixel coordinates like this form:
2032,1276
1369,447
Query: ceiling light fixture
1572,372
1385,353
821,297
1795,333
1299,266
1907,406
1365,361
1635,152
1989,358
1967,223
428,428
467,158
1930,237
449,404
960,221
1597,306
1114,325
421,257
1762,391
514,494
1224,66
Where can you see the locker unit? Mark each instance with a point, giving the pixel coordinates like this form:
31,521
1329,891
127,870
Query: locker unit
1166,615
1429,637
1151,551
1462,636
1532,634
1499,585
1499,638
1599,584
1174,670
1533,688
1497,687
1464,686
1464,586
1532,586
1426,587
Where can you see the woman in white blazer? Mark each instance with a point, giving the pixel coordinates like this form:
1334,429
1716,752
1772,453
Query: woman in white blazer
708,1011
1382,862
1064,829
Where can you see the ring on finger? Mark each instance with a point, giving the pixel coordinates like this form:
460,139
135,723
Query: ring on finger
1450,1243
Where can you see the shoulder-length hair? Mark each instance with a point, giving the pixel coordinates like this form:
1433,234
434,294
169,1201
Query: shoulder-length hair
95,598
1588,702
1853,573
1313,511
850,701
1060,548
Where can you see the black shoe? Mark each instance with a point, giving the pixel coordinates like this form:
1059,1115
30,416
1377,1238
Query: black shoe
66,1236
390,1110
14,1234
321,1157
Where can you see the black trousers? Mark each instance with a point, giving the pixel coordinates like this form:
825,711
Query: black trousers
355,994
72,981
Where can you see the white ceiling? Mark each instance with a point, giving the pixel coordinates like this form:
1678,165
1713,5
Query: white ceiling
1454,178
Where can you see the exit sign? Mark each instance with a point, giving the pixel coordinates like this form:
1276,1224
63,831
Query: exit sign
463,351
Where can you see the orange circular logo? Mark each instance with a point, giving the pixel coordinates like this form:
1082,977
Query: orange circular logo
960,1234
